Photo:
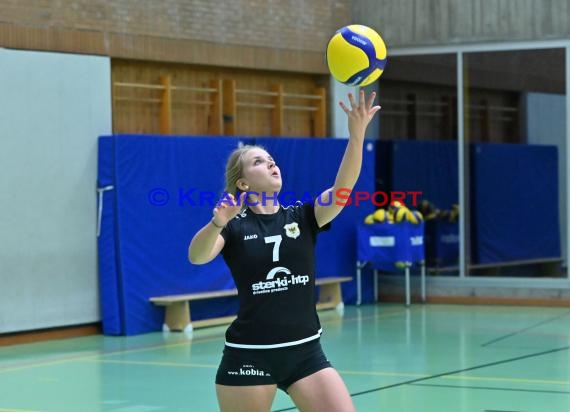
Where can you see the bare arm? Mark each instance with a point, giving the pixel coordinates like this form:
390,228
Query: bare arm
208,243
359,116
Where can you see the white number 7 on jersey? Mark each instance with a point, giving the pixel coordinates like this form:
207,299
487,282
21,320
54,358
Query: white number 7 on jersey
276,240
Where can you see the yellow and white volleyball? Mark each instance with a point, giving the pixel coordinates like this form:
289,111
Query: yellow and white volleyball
401,214
369,220
380,216
401,265
356,55
414,217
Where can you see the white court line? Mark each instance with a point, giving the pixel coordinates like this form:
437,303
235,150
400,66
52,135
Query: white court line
458,377
151,363
18,410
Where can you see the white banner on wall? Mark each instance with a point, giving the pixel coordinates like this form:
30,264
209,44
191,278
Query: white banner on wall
54,106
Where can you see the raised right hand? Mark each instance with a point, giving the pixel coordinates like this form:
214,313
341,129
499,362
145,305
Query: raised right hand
227,208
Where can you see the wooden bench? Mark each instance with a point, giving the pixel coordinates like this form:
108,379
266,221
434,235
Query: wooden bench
178,315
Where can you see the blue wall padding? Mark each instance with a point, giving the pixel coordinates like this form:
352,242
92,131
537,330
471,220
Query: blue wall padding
442,243
384,165
513,195
111,299
143,246
515,211
426,166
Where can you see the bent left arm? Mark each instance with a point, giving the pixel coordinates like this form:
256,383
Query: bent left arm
359,116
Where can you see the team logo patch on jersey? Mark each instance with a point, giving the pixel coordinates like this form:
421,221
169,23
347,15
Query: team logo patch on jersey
292,230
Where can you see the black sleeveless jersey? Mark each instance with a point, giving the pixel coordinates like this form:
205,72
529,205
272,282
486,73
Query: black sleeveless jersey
272,261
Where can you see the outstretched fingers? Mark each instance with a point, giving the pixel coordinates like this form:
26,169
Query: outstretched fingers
227,207
353,105
369,105
352,101
371,100
361,99
364,105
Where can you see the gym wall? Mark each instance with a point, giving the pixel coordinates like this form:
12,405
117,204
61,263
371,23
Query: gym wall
197,91
446,22
259,34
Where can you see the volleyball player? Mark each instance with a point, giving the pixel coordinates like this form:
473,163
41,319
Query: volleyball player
270,250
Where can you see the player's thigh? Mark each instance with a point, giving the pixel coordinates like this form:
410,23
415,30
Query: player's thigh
323,391
256,398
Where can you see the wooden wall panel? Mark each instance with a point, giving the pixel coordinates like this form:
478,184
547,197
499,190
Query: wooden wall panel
137,110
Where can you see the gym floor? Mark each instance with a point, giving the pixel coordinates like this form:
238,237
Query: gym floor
427,358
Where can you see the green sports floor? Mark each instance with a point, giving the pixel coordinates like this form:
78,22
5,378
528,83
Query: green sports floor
428,358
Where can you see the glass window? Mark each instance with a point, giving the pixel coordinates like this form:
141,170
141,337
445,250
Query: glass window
515,178
418,148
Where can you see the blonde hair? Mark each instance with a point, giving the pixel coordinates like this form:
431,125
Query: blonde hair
234,168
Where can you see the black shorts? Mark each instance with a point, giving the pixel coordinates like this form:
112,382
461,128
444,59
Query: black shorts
283,366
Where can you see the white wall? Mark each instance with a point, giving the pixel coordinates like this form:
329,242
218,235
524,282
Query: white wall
53,108
339,92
